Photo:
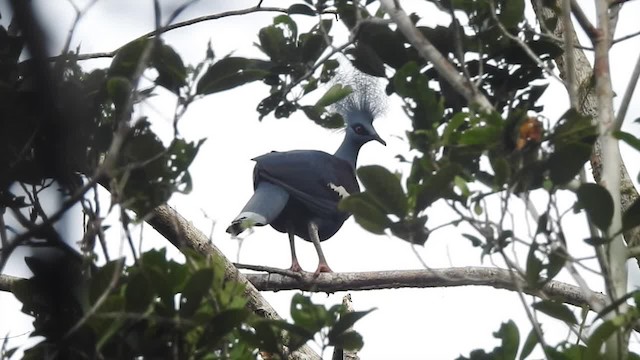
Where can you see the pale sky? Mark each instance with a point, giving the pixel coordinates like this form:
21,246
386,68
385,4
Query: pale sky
409,323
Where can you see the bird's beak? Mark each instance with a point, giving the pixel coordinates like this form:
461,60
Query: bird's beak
377,138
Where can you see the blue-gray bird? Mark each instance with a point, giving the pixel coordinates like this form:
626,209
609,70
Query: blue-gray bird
298,191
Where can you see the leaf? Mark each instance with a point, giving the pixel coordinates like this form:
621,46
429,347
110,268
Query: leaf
567,161
631,217
119,89
556,310
172,73
511,13
198,285
510,336
138,293
483,135
230,72
222,324
366,212
349,340
301,9
598,204
385,188
436,186
313,45
412,230
529,344
534,266
336,93
126,61
599,336
345,322
307,314
631,140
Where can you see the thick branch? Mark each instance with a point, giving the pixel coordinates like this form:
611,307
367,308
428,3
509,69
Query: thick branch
587,102
183,235
463,276
376,280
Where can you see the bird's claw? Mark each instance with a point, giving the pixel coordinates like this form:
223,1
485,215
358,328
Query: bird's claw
295,267
322,268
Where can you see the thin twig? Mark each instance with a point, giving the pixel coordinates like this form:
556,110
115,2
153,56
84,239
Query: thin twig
628,95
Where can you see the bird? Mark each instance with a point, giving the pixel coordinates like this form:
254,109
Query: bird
297,192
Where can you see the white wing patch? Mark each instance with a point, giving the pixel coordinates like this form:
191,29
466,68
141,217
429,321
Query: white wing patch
342,192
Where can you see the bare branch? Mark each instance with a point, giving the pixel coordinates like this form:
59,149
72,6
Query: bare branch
377,280
628,94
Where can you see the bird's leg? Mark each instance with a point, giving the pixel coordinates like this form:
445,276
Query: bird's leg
315,238
295,265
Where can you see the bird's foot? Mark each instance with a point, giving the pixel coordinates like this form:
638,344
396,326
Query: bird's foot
322,268
295,267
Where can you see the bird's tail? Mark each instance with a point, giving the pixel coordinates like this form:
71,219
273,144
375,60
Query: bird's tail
265,205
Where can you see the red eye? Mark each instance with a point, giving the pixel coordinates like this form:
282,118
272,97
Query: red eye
359,129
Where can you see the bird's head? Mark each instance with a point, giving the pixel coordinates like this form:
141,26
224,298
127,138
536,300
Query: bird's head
360,128
366,102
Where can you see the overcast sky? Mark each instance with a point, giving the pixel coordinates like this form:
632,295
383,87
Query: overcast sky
409,324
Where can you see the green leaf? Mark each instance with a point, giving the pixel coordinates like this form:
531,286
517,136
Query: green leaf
598,204
596,241
126,61
138,293
301,9
483,135
511,13
529,344
313,45
230,72
172,74
198,285
366,212
222,324
345,322
567,161
101,280
436,186
307,314
631,217
510,336
385,188
412,230
349,340
119,89
556,310
336,93
599,336
557,258
534,266
631,140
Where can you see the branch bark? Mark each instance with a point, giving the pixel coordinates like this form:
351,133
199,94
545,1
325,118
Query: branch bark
377,280
183,235
587,104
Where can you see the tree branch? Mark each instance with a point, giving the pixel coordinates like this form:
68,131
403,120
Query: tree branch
377,280
428,278
429,52
587,102
179,25
183,235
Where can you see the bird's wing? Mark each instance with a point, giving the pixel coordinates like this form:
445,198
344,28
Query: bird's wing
315,178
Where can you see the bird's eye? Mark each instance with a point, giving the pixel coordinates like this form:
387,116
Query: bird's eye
359,129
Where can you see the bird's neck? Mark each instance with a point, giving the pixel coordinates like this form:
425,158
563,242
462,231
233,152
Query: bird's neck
348,151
